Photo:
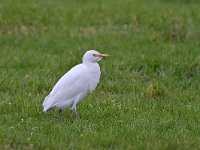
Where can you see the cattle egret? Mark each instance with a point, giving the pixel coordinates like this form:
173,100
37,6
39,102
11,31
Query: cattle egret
75,84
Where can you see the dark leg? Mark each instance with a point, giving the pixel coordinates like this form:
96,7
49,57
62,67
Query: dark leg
59,115
75,111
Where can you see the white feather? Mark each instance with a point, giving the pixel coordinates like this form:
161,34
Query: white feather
75,84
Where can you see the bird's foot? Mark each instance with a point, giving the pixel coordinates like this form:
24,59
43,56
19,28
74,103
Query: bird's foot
59,116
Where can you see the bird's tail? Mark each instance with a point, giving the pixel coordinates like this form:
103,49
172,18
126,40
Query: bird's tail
47,104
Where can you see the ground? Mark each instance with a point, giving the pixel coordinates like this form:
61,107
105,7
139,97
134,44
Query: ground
148,96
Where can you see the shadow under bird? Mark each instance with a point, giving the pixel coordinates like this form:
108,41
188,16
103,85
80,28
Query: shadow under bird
75,84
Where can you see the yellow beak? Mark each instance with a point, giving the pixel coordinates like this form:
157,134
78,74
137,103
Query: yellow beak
104,55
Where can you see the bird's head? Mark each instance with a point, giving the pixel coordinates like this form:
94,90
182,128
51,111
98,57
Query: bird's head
92,56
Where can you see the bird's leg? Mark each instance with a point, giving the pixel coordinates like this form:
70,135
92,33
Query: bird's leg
59,115
75,111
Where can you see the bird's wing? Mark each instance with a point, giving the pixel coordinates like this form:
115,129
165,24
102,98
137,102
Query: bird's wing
71,84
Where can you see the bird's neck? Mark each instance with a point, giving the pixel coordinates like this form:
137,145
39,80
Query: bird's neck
87,63
93,66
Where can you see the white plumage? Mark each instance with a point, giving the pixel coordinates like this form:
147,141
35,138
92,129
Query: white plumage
75,84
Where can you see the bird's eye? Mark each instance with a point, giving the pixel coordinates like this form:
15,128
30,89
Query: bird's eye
94,55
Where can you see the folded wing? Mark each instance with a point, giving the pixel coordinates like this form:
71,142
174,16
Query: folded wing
74,82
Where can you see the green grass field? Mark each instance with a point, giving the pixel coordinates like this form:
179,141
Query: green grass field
149,94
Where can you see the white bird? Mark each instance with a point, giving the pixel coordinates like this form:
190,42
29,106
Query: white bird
75,84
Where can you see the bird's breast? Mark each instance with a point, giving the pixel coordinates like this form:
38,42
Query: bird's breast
94,77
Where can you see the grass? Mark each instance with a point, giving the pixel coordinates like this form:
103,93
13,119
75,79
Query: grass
148,97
